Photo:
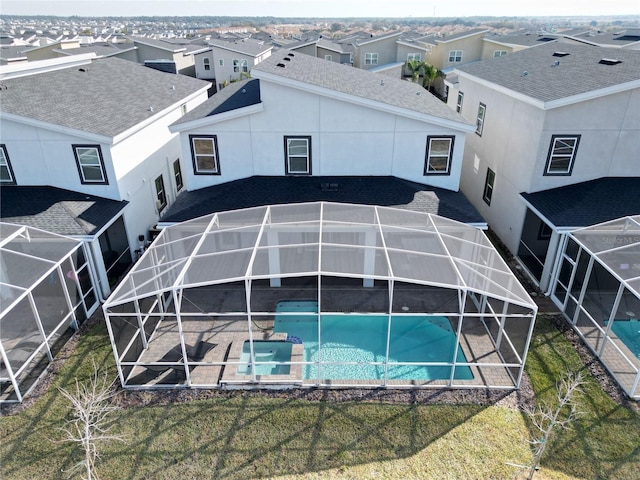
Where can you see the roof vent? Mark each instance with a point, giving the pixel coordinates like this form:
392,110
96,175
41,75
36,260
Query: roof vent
281,65
290,55
556,63
173,87
244,90
560,54
83,69
287,59
329,187
609,61
382,83
524,74
3,87
150,109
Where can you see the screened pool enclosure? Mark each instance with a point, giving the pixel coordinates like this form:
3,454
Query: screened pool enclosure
320,294
597,286
46,290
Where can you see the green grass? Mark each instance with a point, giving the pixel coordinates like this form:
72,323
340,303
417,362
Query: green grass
252,437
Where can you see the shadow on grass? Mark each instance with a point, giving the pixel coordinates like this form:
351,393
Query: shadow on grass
604,442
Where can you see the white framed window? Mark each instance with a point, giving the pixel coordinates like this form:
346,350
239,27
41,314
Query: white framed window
207,65
328,57
161,195
6,172
177,175
221,62
297,153
371,59
414,56
482,110
236,65
90,164
438,157
459,102
499,53
562,154
244,66
489,181
455,56
204,153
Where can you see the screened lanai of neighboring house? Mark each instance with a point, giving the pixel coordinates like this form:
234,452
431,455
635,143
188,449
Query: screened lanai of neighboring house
320,294
46,290
597,287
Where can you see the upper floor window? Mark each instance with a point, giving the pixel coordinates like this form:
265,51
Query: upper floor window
161,195
236,65
6,172
177,175
328,57
488,186
455,56
414,56
438,157
370,58
221,62
297,153
204,152
562,153
244,65
499,53
459,102
207,66
482,110
90,164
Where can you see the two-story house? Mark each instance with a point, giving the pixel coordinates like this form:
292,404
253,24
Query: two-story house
234,60
85,150
306,129
556,145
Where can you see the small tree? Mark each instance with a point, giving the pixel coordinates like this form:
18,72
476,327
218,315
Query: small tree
546,418
414,67
430,74
90,425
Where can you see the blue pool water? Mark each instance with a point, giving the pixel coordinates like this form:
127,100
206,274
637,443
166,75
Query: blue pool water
266,352
629,332
362,338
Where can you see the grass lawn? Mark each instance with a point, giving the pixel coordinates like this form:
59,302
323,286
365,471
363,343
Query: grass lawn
247,437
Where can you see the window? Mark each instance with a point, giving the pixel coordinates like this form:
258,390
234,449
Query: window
90,164
236,66
161,196
221,62
6,172
455,56
459,102
206,64
328,57
438,157
482,109
370,58
244,65
297,152
499,53
414,56
204,151
562,153
488,186
177,175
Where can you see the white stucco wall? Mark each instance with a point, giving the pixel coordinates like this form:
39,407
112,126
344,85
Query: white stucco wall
346,139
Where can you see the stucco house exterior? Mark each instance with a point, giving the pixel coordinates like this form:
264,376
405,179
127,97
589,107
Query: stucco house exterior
302,129
234,60
556,144
85,150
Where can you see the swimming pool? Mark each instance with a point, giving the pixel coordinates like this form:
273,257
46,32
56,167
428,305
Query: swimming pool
265,351
363,338
629,332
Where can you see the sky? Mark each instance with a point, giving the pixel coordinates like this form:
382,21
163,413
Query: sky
321,8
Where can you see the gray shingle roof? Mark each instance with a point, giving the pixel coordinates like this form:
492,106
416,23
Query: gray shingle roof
246,46
588,203
236,95
525,39
354,81
385,191
459,35
109,97
56,210
576,73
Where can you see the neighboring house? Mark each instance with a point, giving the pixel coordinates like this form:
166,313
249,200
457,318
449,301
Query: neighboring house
625,38
324,48
150,50
558,130
374,51
203,61
234,60
496,45
305,129
98,128
126,51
